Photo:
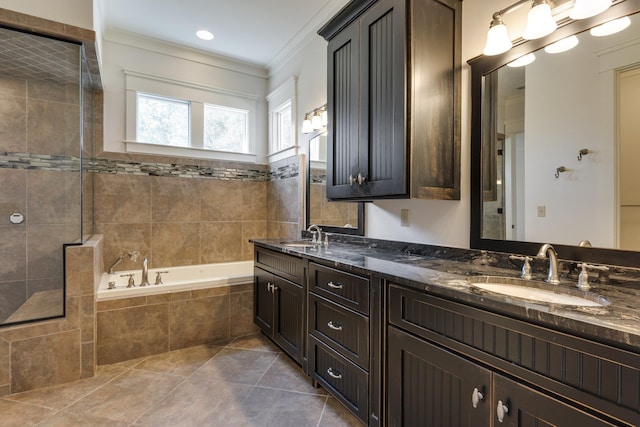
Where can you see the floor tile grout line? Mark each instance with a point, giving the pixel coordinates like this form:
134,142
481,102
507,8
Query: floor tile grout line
324,408
291,391
160,400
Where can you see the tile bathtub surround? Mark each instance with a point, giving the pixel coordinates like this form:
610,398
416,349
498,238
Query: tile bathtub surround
285,195
142,326
58,351
194,386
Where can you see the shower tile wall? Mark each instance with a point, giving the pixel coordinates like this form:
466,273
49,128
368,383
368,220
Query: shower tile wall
194,212
38,121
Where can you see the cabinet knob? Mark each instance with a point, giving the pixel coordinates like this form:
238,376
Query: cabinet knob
334,286
334,327
501,410
361,179
334,375
476,397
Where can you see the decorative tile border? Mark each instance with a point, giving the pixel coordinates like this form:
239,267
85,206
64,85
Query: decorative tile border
9,160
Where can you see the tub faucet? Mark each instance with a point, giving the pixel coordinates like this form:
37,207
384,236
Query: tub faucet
317,238
547,251
145,273
133,255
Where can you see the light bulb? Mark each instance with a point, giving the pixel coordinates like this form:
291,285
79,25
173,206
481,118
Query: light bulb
587,8
539,21
498,40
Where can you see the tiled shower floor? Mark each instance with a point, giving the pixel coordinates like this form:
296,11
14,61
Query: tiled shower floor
247,382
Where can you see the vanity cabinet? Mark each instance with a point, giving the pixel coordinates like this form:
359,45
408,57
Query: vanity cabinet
444,357
279,300
339,336
394,100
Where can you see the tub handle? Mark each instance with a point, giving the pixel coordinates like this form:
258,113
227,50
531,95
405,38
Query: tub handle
130,282
159,277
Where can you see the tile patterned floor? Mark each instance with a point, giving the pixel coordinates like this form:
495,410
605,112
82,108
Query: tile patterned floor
247,382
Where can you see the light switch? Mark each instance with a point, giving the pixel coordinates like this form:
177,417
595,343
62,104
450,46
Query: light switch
542,211
404,217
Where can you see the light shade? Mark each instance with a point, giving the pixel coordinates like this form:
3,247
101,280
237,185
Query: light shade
498,40
325,118
587,8
539,21
316,120
307,127
611,27
522,61
563,45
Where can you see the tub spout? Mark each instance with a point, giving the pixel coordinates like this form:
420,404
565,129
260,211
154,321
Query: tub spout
133,255
145,273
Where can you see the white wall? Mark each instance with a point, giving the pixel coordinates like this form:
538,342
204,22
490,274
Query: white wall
73,12
132,53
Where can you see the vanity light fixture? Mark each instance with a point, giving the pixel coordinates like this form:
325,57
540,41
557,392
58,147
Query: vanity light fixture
315,119
204,35
522,61
540,22
563,45
583,9
611,27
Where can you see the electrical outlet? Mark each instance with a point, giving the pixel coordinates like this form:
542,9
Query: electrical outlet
542,211
404,217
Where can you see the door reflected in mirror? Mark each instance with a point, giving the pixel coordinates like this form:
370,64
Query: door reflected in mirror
560,152
337,217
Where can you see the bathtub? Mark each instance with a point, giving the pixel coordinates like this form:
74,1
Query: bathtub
176,279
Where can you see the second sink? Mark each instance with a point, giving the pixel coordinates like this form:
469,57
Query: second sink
538,291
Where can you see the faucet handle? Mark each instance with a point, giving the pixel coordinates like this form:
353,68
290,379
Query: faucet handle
130,282
526,267
583,277
159,277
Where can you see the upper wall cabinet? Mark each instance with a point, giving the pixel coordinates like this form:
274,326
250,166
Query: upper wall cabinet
394,100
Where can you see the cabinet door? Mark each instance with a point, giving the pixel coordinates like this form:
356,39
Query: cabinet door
429,386
528,408
383,148
263,300
342,108
288,324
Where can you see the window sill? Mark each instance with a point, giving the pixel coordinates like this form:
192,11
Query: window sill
190,152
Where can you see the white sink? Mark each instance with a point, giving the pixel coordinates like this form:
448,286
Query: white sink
538,291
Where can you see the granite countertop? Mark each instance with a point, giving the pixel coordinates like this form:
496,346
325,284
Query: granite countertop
445,272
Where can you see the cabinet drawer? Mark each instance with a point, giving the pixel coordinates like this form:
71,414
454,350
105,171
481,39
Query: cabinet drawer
346,381
341,329
284,265
347,289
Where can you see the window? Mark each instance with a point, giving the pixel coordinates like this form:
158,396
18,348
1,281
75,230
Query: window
282,127
225,129
282,121
173,118
163,121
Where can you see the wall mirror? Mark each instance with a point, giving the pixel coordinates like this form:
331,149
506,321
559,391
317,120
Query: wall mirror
333,217
555,152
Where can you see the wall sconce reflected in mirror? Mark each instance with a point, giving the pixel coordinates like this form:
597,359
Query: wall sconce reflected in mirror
582,153
559,170
315,119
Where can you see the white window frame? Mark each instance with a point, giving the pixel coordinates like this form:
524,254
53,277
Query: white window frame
198,95
283,95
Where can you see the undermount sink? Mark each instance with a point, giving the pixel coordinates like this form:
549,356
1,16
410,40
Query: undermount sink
538,291
299,243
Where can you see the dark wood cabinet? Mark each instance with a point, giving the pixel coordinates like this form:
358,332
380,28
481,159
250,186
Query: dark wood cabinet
279,303
394,100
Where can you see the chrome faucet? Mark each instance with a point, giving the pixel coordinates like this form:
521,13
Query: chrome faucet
317,238
547,251
133,255
145,273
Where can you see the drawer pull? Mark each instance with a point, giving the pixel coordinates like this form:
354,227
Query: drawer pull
334,327
476,397
337,376
334,286
501,410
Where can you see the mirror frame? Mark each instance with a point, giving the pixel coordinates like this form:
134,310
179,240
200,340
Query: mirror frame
359,231
482,66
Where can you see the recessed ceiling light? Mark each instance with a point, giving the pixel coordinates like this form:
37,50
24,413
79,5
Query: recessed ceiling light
204,35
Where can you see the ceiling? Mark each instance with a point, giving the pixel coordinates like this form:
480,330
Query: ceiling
255,31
